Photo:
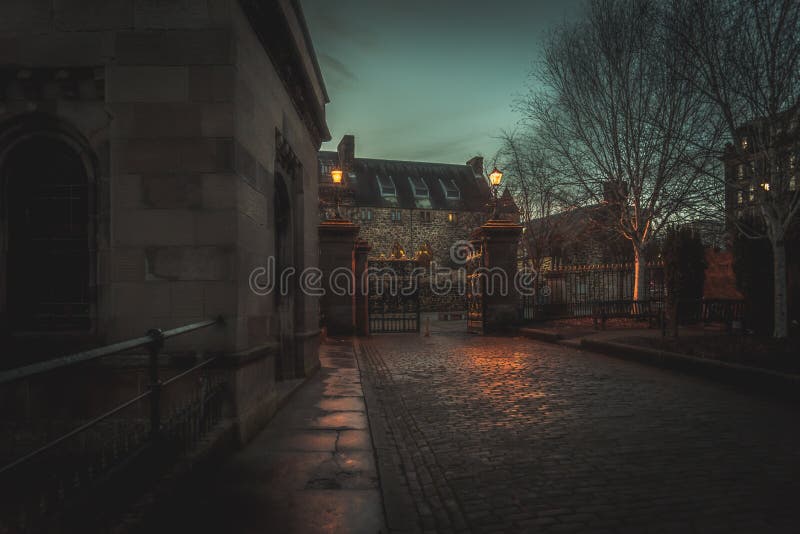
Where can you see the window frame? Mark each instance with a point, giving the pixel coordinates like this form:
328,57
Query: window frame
414,187
386,193
445,190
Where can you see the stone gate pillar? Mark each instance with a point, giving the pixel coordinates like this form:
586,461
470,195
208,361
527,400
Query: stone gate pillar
501,305
336,243
360,298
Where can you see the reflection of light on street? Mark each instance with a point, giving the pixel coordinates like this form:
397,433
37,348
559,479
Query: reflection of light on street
507,386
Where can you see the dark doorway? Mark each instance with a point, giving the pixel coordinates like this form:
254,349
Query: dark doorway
284,260
46,203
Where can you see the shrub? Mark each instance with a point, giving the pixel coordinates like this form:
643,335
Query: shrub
684,273
752,263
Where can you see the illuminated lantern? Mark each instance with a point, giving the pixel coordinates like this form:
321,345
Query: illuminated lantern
496,177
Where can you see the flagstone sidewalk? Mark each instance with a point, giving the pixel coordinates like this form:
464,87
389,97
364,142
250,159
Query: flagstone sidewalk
311,470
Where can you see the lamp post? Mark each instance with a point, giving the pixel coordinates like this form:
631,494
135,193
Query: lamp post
336,178
495,177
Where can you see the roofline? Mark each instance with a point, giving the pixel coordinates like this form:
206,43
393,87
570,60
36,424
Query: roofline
405,162
311,49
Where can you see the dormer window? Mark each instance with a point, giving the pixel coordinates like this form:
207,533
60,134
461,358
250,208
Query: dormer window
386,186
419,187
450,189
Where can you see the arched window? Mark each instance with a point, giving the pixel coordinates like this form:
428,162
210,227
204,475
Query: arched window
49,237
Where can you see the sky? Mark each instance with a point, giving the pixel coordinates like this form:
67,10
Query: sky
428,80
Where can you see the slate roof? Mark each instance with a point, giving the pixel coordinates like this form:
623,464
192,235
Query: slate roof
362,182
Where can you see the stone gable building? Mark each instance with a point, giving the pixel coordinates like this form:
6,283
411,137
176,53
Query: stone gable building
152,154
411,208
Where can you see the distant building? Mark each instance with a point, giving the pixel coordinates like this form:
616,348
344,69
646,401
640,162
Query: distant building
578,236
406,207
767,162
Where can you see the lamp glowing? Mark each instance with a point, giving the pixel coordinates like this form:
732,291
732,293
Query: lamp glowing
336,176
495,177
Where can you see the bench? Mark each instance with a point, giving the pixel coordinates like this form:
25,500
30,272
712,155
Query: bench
627,309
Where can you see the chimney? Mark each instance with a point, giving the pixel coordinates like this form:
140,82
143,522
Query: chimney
477,166
347,152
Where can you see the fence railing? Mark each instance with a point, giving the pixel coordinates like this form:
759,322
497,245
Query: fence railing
139,435
575,291
709,311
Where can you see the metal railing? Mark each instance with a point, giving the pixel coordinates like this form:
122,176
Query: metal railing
577,291
40,488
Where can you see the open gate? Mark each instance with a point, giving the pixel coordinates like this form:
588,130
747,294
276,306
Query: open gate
393,301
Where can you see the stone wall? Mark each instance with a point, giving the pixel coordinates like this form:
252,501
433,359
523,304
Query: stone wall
412,233
182,118
184,122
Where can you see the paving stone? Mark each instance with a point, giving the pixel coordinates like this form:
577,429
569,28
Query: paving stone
534,437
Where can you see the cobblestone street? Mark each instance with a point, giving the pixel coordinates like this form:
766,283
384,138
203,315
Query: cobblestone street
490,434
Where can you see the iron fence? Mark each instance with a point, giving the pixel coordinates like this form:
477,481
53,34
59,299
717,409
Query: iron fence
576,291
42,490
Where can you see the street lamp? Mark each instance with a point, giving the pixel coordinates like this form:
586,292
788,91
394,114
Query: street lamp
336,178
495,177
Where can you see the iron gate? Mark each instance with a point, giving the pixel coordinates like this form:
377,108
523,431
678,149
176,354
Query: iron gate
476,306
393,301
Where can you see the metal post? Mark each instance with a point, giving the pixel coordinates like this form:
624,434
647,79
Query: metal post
155,347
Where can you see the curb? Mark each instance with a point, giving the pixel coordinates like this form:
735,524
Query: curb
785,386
541,335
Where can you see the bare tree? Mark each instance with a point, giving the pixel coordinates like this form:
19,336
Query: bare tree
743,56
617,126
534,190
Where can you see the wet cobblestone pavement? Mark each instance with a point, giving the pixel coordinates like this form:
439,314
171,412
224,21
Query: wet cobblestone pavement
482,434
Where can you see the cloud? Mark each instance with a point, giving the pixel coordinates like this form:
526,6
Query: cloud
332,66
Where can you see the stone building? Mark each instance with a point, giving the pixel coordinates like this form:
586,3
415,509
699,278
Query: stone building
405,209
406,206
152,155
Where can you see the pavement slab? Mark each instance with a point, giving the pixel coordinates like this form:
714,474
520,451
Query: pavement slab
312,470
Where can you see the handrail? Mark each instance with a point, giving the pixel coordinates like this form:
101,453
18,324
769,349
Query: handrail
74,432
153,336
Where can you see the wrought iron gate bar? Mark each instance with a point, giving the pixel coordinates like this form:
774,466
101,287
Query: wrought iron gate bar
393,307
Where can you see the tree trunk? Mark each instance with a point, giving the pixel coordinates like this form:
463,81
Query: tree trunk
779,274
639,292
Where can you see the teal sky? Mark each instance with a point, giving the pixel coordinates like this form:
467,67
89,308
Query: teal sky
428,80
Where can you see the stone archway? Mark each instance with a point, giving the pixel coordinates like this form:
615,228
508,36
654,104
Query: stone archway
47,229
